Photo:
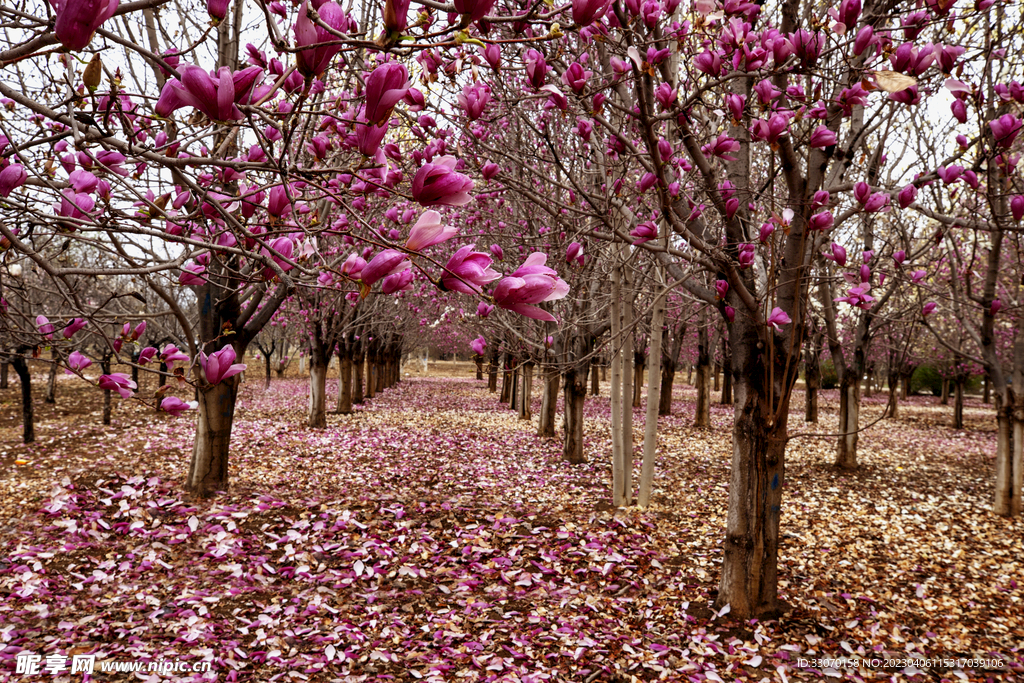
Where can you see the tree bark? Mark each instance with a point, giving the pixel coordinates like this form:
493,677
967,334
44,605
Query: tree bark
749,581
358,366
526,397
893,407
107,401
638,378
549,404
702,416
668,375
595,377
28,432
317,415
51,380
812,380
492,373
4,372
208,471
479,360
344,406
653,404
986,396
575,395
945,392
849,421
958,403
506,379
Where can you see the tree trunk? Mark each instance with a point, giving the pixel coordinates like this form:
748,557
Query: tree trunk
702,417
749,581
849,421
28,433
344,406
638,378
595,377
714,376
371,375
526,399
208,471
726,399
575,395
653,396
549,404
689,373
107,401
868,381
4,366
627,407
479,360
905,386
492,373
986,396
1009,460
358,366
812,379
51,380
506,380
513,397
266,362
668,375
893,407
945,392
317,415
958,404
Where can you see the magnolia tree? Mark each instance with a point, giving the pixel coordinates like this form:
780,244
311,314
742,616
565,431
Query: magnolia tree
738,167
188,157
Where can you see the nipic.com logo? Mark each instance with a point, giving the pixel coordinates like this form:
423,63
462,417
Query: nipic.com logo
30,664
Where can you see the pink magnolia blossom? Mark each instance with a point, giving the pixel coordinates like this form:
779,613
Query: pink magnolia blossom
398,281
838,254
928,308
574,252
484,309
730,313
428,231
77,20
74,326
822,137
217,9
473,10
467,271
11,178
1017,207
214,94
147,354
1005,129
721,288
439,184
995,306
119,382
644,232
311,62
175,406
478,345
170,354
584,12
220,365
45,326
383,264
474,98
778,318
77,362
386,86
531,284
191,273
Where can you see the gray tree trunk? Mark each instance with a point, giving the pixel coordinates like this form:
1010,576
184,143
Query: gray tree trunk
208,471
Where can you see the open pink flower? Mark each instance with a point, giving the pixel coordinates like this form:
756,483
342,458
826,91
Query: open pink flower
45,326
531,284
468,271
214,94
438,184
428,231
778,318
220,365
478,345
175,406
170,353
77,20
77,362
119,382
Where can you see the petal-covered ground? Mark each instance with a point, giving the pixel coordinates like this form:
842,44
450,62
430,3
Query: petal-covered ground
431,536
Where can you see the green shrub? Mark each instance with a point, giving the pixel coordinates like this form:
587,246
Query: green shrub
926,377
829,378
